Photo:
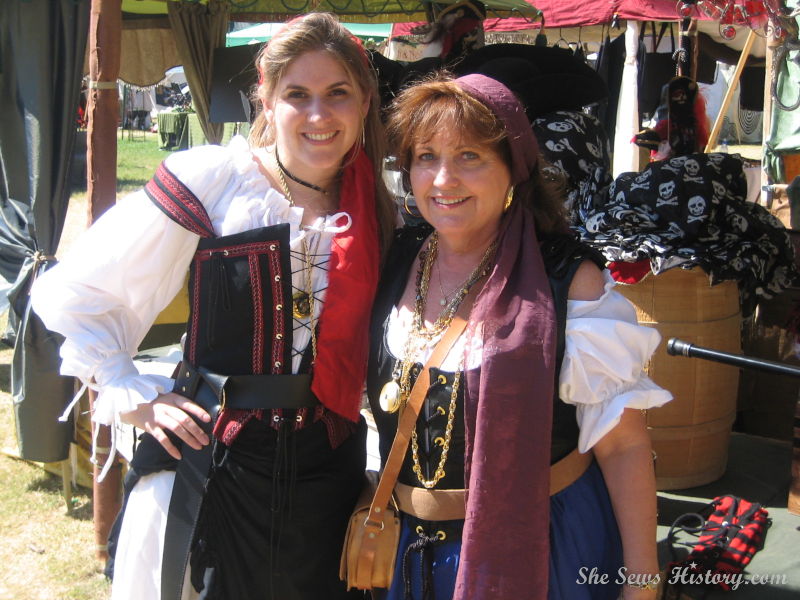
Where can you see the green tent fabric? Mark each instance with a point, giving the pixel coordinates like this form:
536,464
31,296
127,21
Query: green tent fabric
198,30
784,136
265,31
42,45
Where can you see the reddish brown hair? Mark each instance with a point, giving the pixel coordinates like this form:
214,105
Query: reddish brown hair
439,104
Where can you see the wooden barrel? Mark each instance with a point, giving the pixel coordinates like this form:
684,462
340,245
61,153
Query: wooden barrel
690,434
794,490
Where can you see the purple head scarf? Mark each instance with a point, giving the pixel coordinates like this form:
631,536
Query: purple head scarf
509,399
502,102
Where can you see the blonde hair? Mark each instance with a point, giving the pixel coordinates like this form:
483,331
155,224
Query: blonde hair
323,32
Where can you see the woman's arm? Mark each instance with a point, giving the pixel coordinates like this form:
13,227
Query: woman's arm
104,296
625,458
624,455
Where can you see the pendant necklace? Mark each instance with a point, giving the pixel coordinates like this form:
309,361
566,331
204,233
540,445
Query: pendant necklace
444,299
302,301
394,394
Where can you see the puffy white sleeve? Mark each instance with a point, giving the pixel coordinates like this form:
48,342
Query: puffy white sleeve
118,276
603,369
105,294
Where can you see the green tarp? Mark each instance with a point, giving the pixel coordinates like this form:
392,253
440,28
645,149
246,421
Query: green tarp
42,48
265,31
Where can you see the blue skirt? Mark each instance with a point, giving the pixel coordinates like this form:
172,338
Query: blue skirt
584,547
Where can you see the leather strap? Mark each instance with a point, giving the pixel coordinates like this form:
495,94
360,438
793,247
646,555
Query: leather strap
184,505
447,505
373,524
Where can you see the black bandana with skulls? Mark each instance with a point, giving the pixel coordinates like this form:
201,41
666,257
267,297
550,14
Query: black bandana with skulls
691,211
576,144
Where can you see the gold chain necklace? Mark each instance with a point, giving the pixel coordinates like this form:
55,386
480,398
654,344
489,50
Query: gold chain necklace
448,437
423,285
394,394
303,302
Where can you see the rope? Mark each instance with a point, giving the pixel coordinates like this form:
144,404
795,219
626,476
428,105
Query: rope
781,52
422,545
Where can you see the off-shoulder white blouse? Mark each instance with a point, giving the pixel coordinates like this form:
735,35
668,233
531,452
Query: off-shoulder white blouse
602,373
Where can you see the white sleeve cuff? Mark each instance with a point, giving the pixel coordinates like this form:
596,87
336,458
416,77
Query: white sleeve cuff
602,373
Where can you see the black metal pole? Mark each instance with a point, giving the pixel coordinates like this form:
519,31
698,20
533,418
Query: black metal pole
676,347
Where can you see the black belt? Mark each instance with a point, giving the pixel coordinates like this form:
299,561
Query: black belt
244,391
214,392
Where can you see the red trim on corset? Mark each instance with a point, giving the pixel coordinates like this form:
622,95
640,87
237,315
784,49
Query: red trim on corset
195,314
278,322
258,318
239,250
231,421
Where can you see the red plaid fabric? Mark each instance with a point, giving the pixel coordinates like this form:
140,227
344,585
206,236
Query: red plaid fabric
732,531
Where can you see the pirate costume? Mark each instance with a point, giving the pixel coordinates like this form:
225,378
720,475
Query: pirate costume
261,511
477,491
604,353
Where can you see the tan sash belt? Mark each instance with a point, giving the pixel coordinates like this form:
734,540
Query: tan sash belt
447,505
430,505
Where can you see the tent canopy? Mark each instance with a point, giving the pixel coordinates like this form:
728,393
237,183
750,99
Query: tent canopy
264,31
579,13
358,11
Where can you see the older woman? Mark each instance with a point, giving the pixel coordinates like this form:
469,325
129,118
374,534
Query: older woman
251,464
535,413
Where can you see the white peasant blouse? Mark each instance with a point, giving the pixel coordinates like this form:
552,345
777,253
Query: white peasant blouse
127,267
602,373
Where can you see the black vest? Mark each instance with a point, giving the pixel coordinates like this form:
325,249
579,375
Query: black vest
562,255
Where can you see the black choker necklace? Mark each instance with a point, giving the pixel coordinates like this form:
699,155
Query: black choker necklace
295,178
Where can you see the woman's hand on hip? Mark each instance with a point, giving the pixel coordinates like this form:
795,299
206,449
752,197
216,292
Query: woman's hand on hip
170,412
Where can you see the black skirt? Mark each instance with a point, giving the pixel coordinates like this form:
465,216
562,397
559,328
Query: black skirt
275,513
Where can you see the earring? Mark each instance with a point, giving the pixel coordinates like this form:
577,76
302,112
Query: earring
405,205
363,134
509,199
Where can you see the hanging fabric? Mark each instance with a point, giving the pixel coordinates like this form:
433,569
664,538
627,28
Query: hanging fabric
655,68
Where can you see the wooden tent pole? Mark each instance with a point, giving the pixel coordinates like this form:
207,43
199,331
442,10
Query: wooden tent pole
726,101
105,32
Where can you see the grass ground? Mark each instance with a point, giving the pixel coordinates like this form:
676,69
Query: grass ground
46,553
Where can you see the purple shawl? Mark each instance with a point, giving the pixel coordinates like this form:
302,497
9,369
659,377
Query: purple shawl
508,401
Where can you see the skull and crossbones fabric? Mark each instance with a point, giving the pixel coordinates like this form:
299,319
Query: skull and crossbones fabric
691,211
576,144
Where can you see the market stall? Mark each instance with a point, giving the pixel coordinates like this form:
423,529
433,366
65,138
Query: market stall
683,214
595,205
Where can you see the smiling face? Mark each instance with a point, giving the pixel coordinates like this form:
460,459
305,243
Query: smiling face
316,111
460,187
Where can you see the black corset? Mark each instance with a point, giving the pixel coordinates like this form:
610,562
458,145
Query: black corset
430,428
240,317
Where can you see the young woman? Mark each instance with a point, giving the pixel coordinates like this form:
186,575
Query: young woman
529,473
253,460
